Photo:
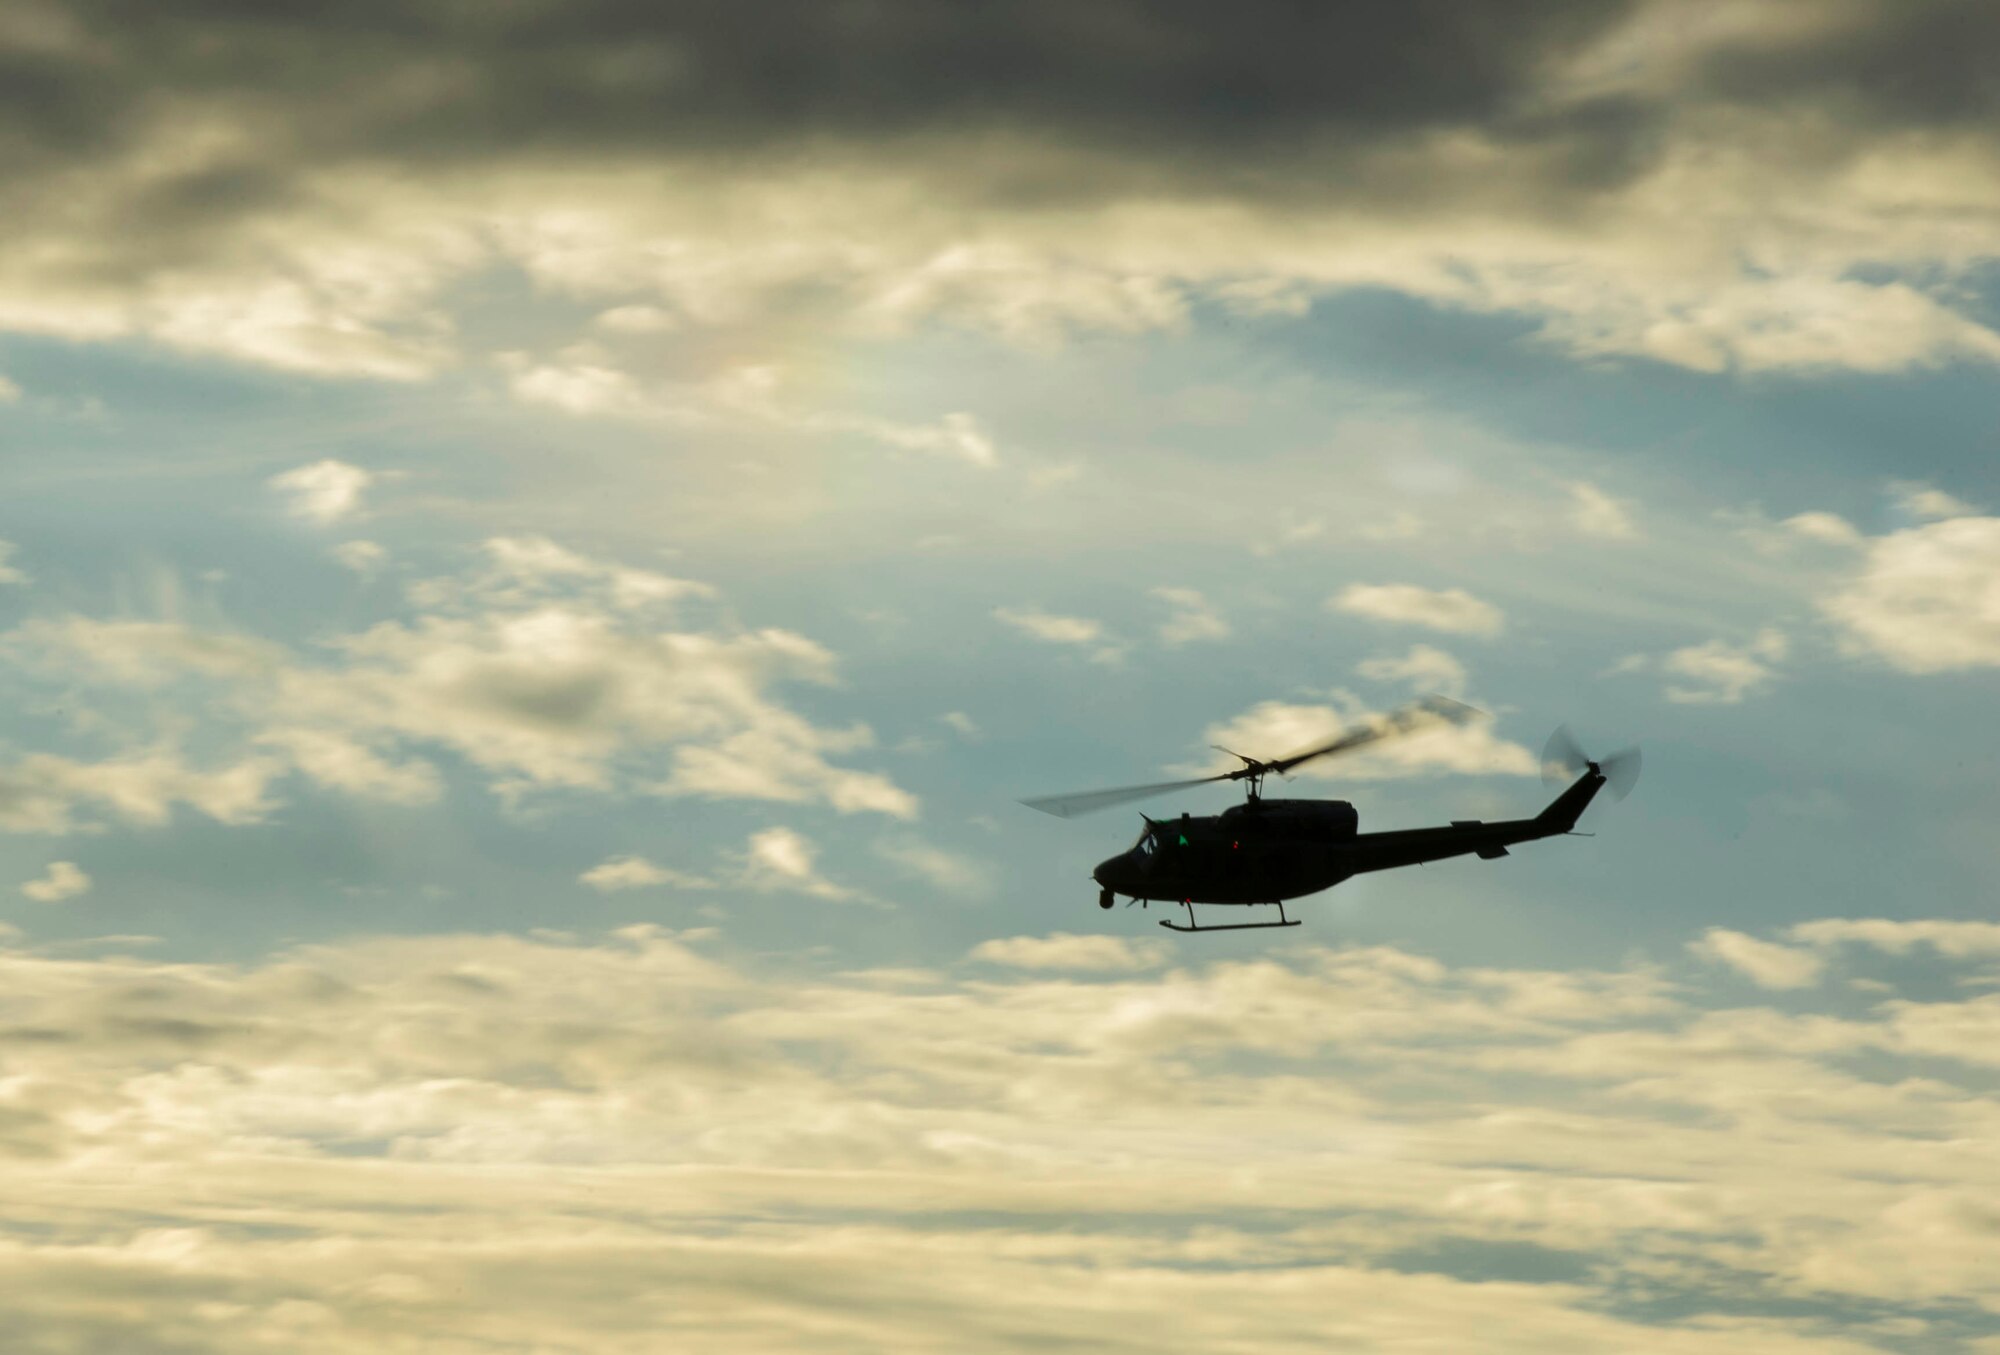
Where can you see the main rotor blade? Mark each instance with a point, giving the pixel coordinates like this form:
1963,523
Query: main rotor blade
1427,713
1090,801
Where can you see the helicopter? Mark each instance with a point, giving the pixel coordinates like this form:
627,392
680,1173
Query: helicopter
1265,851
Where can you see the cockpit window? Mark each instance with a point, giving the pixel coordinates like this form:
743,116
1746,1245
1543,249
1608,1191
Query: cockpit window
1146,844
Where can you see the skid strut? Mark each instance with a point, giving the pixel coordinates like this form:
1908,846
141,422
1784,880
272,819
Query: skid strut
1193,926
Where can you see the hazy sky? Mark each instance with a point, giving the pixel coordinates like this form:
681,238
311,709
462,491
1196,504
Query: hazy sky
541,544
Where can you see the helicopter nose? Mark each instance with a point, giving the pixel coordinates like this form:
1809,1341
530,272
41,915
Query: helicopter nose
1114,874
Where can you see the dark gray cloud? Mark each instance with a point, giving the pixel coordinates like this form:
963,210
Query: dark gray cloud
615,73
418,79
1258,97
210,172
1262,94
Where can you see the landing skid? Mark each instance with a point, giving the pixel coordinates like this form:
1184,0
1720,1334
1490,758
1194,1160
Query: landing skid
1193,926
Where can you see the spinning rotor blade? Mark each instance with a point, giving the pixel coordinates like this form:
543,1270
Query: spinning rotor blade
1563,759
1621,772
1432,710
1089,801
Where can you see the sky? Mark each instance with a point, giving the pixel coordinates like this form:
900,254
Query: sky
543,544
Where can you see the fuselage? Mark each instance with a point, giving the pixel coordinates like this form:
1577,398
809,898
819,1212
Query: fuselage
1258,852
1269,850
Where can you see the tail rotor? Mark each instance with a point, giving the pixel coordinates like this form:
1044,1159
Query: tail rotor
1563,760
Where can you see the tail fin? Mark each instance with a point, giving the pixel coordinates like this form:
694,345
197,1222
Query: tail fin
1568,807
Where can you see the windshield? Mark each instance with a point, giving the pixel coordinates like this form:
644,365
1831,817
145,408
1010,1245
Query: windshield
1145,844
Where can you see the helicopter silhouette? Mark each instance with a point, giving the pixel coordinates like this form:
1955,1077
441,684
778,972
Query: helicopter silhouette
1263,852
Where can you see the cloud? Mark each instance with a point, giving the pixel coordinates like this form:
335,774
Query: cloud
1451,609
544,670
63,880
1277,728
10,574
1828,528
581,388
1719,673
1194,618
351,763
949,872
1068,951
1925,599
1956,940
960,723
747,396
636,872
571,1129
1425,667
1595,513
1931,504
1054,629
1111,177
43,793
363,557
526,565
324,491
10,391
780,859
1764,963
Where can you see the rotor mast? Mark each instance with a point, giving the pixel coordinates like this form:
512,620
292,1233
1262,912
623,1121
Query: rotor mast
1252,772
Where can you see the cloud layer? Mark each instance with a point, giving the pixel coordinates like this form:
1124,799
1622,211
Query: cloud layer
451,1142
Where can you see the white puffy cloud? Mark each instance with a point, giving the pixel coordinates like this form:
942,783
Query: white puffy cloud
10,390
324,491
1828,528
62,880
1925,599
10,573
1194,617
1720,673
581,388
1278,728
1595,513
782,859
1765,963
636,872
1047,626
1448,609
1425,667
